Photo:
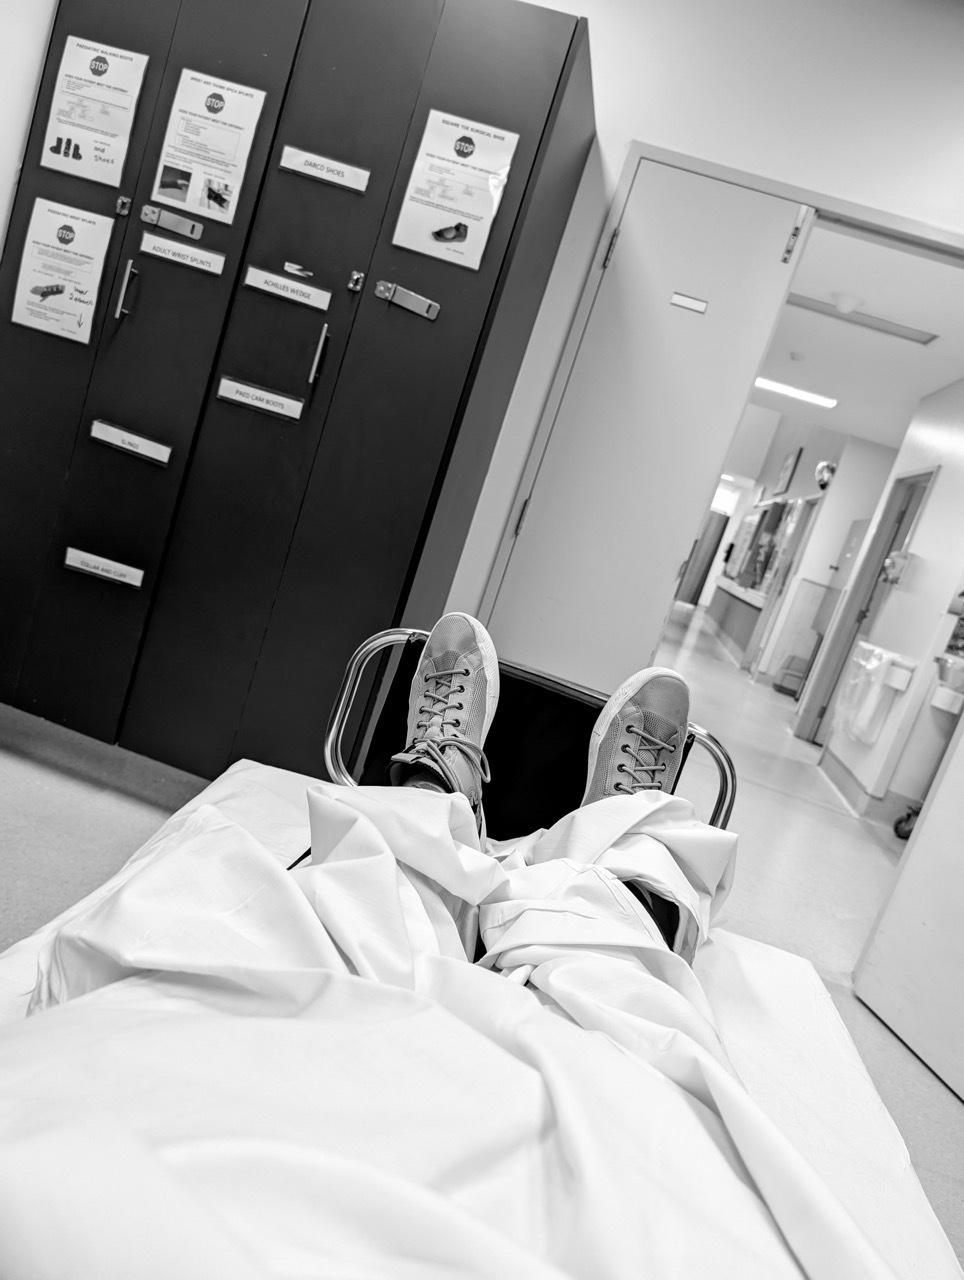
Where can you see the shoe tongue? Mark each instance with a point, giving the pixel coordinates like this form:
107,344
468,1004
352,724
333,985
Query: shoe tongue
441,688
658,727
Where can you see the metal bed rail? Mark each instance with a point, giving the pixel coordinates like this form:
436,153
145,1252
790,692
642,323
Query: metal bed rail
338,770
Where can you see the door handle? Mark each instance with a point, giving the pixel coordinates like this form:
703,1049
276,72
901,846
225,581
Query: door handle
323,337
121,309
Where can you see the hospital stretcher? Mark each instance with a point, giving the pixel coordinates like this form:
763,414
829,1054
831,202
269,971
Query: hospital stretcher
161,1055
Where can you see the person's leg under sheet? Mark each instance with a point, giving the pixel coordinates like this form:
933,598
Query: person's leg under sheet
558,921
571,913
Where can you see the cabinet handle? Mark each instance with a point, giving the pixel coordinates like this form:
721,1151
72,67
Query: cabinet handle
129,271
318,350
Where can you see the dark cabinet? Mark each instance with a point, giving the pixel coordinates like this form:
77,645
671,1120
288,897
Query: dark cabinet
327,443
150,375
43,379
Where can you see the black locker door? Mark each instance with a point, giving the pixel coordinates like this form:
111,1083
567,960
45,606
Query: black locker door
150,377
44,378
401,391
354,88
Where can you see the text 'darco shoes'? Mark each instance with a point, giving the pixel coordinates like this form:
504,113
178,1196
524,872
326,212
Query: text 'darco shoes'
453,699
637,741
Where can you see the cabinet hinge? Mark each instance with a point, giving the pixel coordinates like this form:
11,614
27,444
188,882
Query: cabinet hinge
609,252
522,516
794,235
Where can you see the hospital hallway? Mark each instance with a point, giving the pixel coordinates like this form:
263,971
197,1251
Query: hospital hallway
810,874
810,877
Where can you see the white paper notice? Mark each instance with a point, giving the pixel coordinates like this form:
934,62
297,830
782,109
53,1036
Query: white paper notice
60,270
92,112
454,192
206,147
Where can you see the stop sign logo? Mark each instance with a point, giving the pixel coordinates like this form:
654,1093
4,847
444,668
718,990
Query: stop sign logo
65,234
464,147
214,103
99,66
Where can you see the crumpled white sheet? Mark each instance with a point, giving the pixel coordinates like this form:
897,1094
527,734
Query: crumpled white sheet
298,1074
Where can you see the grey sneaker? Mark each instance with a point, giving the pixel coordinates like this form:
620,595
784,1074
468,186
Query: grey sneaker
454,695
637,741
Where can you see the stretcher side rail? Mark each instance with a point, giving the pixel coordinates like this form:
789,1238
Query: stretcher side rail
382,640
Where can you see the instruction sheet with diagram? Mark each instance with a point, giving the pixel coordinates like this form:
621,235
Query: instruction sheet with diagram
206,146
92,112
60,270
455,189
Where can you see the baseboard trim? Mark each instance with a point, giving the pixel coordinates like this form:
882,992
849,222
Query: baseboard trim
885,809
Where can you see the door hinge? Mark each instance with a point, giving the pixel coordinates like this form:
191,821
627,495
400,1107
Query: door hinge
609,252
522,516
794,236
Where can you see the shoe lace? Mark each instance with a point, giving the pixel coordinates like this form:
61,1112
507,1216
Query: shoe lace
653,748
436,705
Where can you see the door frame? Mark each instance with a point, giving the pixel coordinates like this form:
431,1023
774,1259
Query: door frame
860,220
819,691
782,578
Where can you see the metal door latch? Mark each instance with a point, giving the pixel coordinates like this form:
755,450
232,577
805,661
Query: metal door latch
405,298
123,206
356,280
171,222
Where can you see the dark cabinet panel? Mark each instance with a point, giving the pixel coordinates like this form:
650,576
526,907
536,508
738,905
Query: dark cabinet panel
44,378
150,377
355,84
402,391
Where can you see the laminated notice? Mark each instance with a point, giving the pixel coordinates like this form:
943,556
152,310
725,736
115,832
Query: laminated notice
206,146
60,270
92,112
455,189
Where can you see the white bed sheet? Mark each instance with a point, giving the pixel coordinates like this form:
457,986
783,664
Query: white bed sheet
208,1060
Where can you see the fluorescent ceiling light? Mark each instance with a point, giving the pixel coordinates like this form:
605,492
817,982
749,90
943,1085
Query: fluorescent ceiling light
782,389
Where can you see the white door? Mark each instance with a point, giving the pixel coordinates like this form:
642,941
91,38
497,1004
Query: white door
654,398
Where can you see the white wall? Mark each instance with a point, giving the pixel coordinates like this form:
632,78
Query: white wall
913,620
859,101
862,471
862,100
752,442
25,30
819,443
910,972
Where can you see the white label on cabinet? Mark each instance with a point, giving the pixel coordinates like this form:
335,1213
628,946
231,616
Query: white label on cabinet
186,255
103,568
258,398
107,433
294,290
327,170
